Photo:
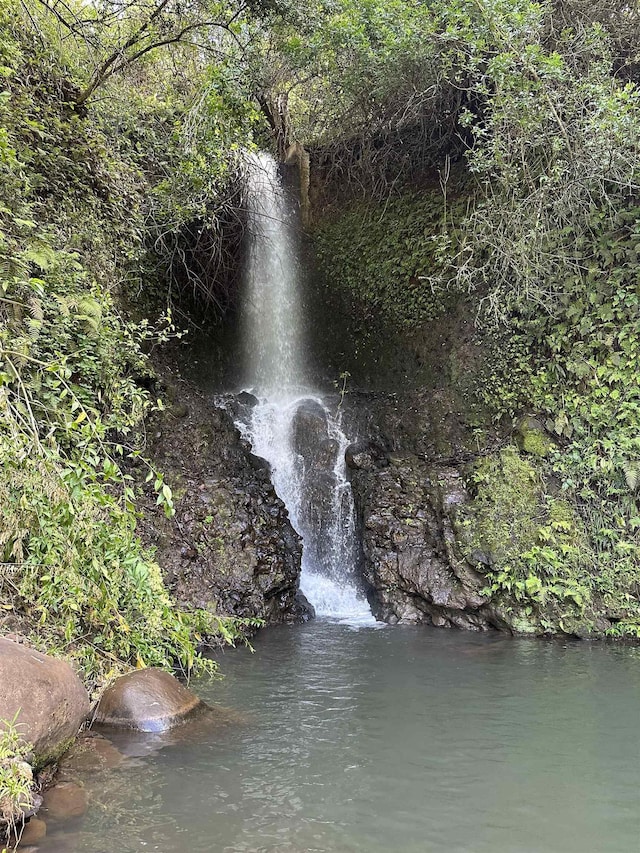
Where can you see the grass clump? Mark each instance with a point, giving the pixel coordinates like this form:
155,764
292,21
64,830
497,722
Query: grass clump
16,778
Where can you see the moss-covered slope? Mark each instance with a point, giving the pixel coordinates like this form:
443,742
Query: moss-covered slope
548,402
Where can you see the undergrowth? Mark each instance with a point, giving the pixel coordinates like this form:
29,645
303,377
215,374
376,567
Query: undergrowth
75,381
568,514
578,366
16,778
387,256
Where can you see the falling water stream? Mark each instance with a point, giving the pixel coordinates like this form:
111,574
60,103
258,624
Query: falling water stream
290,426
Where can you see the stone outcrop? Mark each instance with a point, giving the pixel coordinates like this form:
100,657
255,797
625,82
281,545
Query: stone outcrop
147,700
44,696
230,546
409,514
451,516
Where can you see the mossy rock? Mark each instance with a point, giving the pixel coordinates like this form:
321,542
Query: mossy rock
502,519
531,437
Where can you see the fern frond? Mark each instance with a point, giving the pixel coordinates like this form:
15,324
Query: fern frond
36,309
63,304
632,474
41,255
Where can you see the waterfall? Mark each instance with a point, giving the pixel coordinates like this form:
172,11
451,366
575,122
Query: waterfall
271,311
289,425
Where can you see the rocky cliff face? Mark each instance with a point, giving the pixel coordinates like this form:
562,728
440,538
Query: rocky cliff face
410,512
230,546
410,491
454,521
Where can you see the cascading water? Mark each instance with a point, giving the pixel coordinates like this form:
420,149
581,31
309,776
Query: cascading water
289,426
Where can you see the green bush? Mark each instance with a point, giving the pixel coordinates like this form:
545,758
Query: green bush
74,380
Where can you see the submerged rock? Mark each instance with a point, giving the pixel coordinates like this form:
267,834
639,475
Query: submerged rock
196,728
33,833
89,754
44,695
147,700
65,801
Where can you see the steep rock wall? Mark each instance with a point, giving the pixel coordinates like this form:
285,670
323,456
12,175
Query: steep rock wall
230,546
453,520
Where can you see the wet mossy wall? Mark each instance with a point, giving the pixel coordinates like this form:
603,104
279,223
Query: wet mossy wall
556,542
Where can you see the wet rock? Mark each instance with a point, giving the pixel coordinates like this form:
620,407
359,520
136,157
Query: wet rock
259,464
365,456
45,696
147,700
65,801
245,398
408,514
309,427
327,453
324,512
305,606
230,548
89,754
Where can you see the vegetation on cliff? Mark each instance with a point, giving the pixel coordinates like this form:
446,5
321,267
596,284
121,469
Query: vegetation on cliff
475,146
542,118
93,200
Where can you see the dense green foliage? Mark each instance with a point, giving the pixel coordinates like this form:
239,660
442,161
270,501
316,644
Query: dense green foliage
547,123
560,518
579,368
77,195
474,146
389,259
540,562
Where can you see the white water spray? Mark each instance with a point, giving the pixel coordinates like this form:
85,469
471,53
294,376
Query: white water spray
289,426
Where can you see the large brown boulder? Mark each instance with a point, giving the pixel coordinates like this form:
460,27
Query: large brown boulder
147,700
44,695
